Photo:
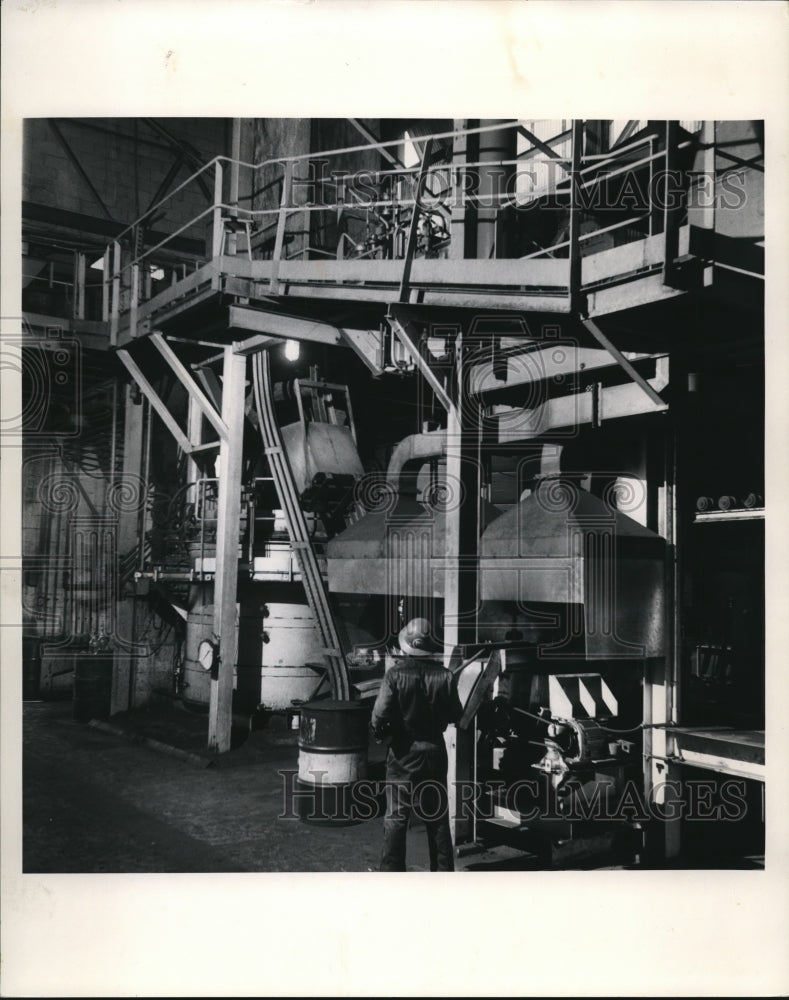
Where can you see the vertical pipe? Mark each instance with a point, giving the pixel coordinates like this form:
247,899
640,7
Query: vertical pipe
105,287
116,293
217,235
281,223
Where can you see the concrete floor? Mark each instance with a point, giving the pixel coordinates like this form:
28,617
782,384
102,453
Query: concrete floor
94,801
103,800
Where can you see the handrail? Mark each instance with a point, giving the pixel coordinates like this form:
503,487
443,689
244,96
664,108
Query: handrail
584,236
281,160
131,275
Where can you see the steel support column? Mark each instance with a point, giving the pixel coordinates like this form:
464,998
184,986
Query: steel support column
661,681
465,184
128,540
226,577
574,279
673,207
462,567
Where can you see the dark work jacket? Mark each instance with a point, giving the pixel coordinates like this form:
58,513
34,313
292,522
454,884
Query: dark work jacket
417,700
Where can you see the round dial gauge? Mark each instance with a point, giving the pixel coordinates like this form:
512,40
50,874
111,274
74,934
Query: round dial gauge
205,654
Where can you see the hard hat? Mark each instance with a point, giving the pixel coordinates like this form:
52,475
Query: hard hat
416,638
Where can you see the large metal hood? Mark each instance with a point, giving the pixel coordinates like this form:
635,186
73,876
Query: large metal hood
564,569
562,546
397,551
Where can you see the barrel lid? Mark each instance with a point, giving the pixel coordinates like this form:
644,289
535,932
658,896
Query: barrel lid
332,705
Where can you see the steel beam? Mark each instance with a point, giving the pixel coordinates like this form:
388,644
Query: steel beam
368,345
271,326
168,179
463,223
574,278
672,214
191,154
33,212
226,577
368,135
186,380
155,400
211,384
79,168
276,325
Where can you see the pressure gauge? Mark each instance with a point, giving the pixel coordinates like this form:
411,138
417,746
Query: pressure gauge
206,653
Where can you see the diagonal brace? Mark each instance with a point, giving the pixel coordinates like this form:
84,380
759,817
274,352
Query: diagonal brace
622,361
543,147
183,376
405,280
156,401
404,331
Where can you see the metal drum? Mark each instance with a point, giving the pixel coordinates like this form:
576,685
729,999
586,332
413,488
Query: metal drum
92,687
333,741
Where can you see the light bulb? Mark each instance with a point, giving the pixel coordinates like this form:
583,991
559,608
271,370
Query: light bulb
292,350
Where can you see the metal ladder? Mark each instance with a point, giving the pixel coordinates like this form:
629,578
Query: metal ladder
314,586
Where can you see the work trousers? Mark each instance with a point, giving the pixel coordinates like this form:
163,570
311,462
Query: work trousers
416,782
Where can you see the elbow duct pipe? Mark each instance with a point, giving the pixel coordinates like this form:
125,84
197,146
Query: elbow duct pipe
431,444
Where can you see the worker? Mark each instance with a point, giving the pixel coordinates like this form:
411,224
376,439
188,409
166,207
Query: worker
417,700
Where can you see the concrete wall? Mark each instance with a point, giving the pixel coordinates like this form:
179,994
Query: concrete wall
279,137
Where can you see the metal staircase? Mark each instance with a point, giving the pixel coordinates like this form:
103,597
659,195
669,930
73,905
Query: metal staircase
298,530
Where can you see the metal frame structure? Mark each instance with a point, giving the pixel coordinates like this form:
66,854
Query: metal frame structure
370,305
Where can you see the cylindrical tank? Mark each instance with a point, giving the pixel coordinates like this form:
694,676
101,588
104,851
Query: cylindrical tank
292,658
92,687
333,741
197,680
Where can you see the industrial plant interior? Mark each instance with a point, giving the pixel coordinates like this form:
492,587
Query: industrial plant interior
291,383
